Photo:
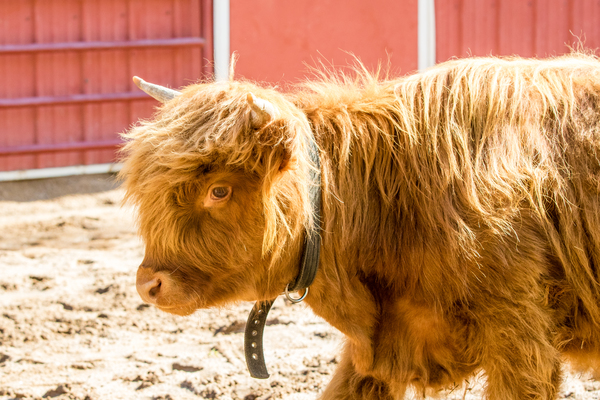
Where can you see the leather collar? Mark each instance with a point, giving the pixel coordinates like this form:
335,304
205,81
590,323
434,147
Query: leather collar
253,336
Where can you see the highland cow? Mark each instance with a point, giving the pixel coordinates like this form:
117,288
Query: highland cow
459,225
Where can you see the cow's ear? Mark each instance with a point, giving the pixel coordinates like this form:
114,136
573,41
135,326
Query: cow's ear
286,160
275,155
261,111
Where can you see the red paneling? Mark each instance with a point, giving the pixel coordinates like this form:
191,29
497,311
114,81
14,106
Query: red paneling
105,72
448,29
57,74
66,68
528,28
274,38
552,30
486,13
585,17
56,92
16,27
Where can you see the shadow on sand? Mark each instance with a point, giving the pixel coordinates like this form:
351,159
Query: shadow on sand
51,188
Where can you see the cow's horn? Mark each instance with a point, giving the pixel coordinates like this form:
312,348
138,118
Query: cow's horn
261,111
160,93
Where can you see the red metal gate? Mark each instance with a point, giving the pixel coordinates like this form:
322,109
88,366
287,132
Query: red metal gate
66,68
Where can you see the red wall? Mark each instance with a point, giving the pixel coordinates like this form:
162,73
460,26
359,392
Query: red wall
529,28
274,38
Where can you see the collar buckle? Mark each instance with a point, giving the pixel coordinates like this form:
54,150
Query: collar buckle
295,300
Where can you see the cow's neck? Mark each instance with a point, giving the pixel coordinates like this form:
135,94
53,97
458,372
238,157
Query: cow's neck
253,346
341,293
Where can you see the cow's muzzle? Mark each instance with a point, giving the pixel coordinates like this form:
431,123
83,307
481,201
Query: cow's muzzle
162,290
152,286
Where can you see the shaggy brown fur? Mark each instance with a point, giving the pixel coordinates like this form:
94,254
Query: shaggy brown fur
461,216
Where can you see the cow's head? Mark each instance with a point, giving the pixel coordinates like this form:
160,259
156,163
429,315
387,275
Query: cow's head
219,178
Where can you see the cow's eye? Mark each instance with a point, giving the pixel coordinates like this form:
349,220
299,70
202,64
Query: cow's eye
220,192
217,195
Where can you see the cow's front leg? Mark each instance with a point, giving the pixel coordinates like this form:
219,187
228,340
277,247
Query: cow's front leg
348,384
351,308
519,358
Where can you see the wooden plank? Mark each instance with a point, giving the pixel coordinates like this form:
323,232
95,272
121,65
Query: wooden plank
203,8
59,147
585,17
101,45
553,28
59,74
105,74
484,18
449,33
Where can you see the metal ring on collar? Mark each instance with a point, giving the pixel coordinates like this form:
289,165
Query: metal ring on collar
293,300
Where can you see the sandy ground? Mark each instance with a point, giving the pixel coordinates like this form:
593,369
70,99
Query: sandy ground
73,327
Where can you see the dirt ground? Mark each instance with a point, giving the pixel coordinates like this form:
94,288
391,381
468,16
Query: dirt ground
73,327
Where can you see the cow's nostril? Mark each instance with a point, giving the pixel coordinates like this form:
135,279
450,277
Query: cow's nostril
153,292
150,285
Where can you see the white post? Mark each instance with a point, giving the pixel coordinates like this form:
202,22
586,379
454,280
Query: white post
426,33
221,39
